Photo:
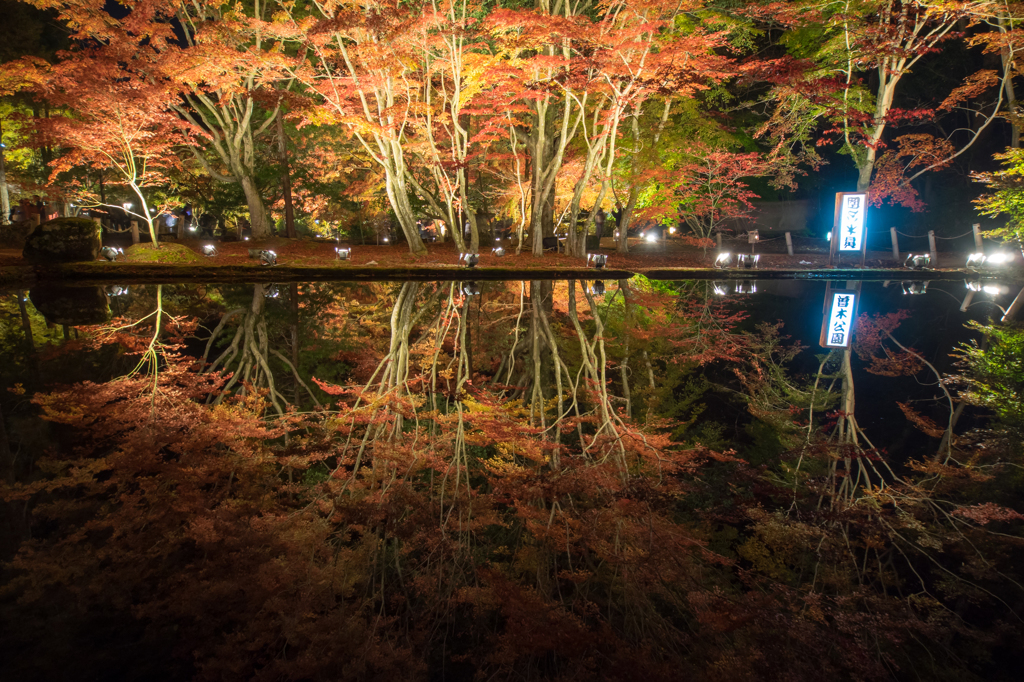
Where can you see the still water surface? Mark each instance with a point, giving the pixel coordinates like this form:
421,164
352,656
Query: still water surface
412,480
512,336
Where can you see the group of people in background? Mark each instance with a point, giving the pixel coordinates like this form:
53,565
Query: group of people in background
26,210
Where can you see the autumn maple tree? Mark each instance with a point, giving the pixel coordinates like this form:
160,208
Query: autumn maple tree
826,95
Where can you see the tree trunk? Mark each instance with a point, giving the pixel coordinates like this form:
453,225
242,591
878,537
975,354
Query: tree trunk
398,196
258,218
286,178
5,198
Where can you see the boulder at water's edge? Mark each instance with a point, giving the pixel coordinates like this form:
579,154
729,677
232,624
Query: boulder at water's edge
63,240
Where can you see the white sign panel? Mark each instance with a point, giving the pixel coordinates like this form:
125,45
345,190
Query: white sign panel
840,320
852,210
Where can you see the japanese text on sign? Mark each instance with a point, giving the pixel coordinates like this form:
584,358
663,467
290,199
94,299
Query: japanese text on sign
840,320
851,222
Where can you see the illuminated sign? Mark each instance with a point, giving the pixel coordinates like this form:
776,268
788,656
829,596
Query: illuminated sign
852,208
839,315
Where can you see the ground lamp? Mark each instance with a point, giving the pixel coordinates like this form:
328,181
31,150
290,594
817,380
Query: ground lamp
343,252
651,236
979,261
470,259
914,288
748,261
111,253
598,259
268,258
209,250
126,205
471,288
723,260
918,261
498,251
596,288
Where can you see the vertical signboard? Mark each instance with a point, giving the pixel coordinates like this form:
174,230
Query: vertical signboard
840,312
849,233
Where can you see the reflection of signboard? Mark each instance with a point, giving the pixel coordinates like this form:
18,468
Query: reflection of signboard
840,311
852,208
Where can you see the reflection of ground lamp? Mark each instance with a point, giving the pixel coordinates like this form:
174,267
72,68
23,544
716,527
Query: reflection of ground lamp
914,288
980,286
840,312
990,288
596,288
471,259
848,230
343,252
740,287
115,290
598,259
471,288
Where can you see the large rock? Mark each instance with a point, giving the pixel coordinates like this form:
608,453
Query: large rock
73,306
15,234
63,240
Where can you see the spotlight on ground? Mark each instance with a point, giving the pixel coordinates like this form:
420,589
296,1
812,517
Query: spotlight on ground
918,261
748,261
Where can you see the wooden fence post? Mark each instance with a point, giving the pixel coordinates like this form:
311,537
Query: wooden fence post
932,250
135,232
789,243
976,228
895,244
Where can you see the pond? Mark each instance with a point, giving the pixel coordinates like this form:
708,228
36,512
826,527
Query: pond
455,480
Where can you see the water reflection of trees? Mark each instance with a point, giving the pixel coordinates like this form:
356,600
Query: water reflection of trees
529,481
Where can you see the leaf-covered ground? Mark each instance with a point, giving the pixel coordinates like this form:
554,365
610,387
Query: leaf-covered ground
320,253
